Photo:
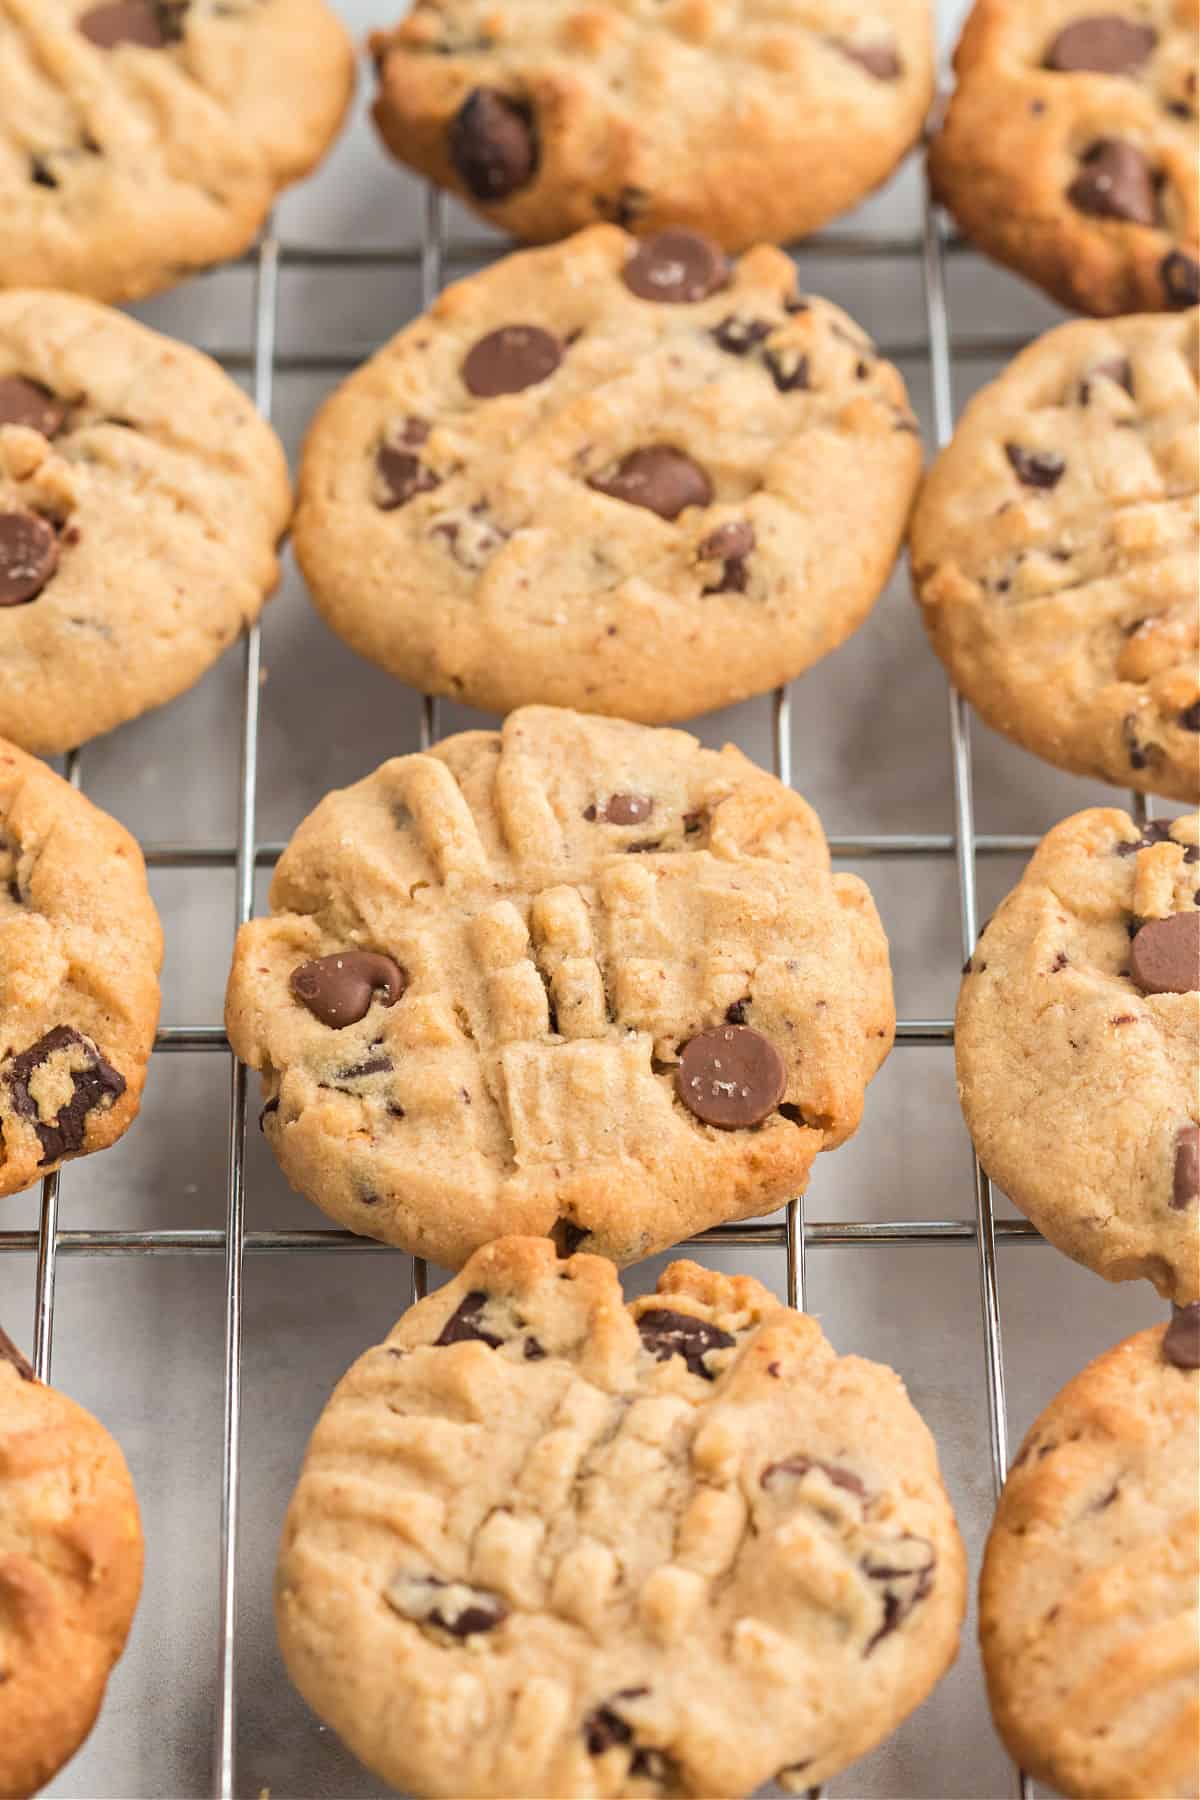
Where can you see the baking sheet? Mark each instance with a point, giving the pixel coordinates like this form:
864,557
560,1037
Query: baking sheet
140,1339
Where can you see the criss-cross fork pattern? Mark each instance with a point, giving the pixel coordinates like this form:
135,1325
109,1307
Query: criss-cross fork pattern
794,1233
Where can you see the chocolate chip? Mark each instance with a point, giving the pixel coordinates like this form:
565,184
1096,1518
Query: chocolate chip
1156,831
628,809
1185,1189
739,336
665,1334
338,989
401,476
10,1354
736,1014
96,1086
452,1606
906,1565
1117,369
731,1076
1181,1340
1105,42
534,1352
1141,755
798,1466
1189,718
676,268
567,1236
28,557
463,1327
41,174
1180,278
124,22
370,1065
1166,955
1036,468
879,60
30,404
788,368
493,144
1115,182
603,1728
730,544
660,478
509,360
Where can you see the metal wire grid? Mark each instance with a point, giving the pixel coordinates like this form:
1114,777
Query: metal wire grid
794,1233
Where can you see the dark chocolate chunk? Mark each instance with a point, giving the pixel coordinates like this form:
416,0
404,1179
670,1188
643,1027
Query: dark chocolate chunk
509,360
339,989
141,22
665,1334
28,557
493,144
463,1327
453,1606
731,1076
94,1087
660,478
1165,958
402,475
906,1567
1155,831
1104,42
731,545
30,404
1115,182
676,268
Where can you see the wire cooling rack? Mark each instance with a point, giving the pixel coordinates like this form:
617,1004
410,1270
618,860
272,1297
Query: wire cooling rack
792,1234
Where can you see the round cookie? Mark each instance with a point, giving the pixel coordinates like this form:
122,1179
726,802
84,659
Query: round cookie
80,951
544,1544
141,140
1087,1604
651,115
1054,552
1069,148
70,1573
627,478
1076,1036
575,976
80,956
141,500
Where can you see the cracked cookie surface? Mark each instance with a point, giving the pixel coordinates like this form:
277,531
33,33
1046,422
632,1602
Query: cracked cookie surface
1069,150
1076,1043
80,950
1054,552
1087,1603
141,140
632,479
141,499
546,1545
576,976
692,112
70,1573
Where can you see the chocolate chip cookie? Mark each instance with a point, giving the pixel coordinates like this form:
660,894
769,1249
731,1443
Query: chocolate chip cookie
1069,149
544,1543
627,477
1076,1039
70,1572
80,951
575,976
650,115
1054,552
141,140
141,498
1088,1599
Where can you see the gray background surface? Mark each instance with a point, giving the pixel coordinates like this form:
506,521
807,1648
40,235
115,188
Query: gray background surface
140,1340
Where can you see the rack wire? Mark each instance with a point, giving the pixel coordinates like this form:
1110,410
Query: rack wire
794,1233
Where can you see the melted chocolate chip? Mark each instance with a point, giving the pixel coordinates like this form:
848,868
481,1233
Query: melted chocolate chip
798,1466
660,478
124,22
1115,182
401,476
1185,1189
10,1354
906,1566
338,989
1036,468
30,404
676,268
879,60
731,1076
1156,831
788,369
96,1086
1180,278
1165,958
28,557
567,1236
737,337
493,144
463,1327
452,1606
1181,1340
1105,42
665,1334
509,360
